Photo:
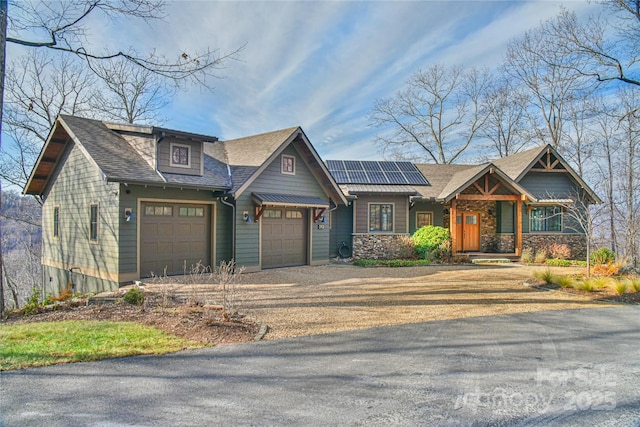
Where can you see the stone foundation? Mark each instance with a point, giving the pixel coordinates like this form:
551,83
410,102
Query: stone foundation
576,242
382,246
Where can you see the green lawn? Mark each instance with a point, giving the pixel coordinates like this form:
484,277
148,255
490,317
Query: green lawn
39,344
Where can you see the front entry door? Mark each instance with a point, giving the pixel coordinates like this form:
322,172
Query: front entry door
468,231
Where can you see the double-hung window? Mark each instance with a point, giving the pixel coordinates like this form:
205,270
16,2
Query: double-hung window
546,218
381,217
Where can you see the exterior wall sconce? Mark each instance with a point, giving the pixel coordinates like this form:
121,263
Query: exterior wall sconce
128,214
246,217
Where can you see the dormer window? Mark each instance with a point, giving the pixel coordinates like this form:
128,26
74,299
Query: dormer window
180,155
288,165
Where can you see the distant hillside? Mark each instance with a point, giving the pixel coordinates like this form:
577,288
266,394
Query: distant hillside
20,221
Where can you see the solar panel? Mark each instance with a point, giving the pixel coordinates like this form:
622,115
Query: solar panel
389,166
406,166
396,178
415,178
340,177
357,177
371,166
335,165
377,178
351,165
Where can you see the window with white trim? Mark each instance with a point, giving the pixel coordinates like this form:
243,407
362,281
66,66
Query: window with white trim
180,155
546,218
93,223
56,222
380,217
288,165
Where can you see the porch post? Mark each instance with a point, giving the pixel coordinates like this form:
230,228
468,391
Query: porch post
453,214
518,227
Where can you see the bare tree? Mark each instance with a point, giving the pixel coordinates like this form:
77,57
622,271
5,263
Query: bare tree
436,116
598,51
505,125
629,168
606,149
134,94
578,137
549,78
38,88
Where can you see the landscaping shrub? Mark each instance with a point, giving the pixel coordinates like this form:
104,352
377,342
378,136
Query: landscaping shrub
432,242
603,256
558,262
546,276
560,251
134,296
541,256
32,306
565,281
620,287
606,269
527,256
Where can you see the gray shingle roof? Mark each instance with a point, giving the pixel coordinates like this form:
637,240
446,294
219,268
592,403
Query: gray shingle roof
439,176
514,165
118,160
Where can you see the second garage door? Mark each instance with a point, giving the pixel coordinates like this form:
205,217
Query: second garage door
284,237
171,235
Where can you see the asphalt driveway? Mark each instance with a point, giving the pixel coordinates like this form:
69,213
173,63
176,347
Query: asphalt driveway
569,367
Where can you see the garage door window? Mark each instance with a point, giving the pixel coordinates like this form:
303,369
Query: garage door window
186,211
158,211
293,215
272,213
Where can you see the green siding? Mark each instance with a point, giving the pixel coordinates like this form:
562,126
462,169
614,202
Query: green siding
164,156
400,204
77,185
129,230
505,217
272,181
341,228
547,185
436,208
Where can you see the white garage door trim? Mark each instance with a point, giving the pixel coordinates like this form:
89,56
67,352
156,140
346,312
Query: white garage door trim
212,222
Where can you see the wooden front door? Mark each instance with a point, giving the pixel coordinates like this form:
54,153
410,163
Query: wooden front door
468,231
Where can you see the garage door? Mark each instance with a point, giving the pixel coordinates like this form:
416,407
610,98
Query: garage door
284,237
172,234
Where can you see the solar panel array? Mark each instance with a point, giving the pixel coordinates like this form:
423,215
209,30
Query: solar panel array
374,172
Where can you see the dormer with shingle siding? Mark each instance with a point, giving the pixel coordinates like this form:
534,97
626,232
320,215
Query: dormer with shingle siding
180,156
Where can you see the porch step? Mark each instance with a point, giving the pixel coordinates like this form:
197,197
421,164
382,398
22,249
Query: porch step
491,261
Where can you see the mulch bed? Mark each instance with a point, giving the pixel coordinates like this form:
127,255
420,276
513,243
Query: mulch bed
194,322
605,295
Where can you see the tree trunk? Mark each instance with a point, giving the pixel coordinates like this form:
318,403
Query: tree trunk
3,44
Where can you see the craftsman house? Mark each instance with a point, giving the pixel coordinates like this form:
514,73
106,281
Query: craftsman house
503,206
123,202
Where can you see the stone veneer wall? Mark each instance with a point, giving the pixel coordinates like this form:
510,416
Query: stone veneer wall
382,246
577,243
506,243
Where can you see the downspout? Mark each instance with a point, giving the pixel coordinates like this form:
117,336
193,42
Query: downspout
233,219
233,225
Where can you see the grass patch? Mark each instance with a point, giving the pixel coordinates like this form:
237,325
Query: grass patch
620,287
390,262
49,343
565,262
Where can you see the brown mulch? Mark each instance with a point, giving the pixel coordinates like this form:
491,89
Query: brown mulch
200,323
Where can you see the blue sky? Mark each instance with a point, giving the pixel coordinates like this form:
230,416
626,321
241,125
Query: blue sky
321,65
